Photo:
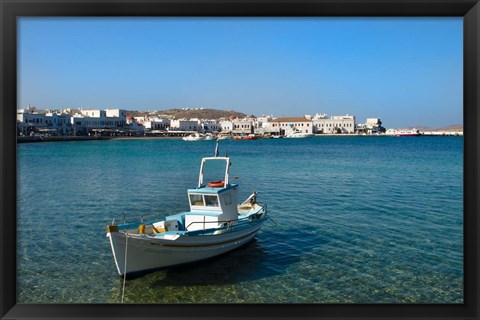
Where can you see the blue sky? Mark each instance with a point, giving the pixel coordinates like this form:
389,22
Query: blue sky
406,71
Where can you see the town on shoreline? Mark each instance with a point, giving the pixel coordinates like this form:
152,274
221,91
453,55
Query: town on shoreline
86,124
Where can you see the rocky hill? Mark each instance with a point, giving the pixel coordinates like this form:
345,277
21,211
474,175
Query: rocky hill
188,113
455,127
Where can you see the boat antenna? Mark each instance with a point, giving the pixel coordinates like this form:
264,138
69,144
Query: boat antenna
216,149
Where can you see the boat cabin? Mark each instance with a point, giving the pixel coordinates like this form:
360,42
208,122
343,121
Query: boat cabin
212,203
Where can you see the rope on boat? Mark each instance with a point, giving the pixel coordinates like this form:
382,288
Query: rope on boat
272,220
125,266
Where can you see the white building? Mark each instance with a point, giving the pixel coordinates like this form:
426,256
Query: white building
87,120
334,124
271,127
50,122
118,116
157,124
226,126
58,122
373,125
184,125
286,124
93,113
210,126
33,119
243,126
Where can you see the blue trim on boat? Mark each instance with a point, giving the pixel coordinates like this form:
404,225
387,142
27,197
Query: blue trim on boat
212,190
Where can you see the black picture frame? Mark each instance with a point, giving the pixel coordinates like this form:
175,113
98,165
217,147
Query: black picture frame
10,10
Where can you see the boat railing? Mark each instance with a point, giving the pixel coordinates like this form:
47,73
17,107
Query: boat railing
134,219
228,223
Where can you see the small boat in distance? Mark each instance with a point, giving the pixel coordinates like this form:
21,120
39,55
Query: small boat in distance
194,137
247,137
223,136
214,225
298,134
210,136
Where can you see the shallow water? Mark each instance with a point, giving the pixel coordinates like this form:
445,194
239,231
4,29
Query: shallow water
360,220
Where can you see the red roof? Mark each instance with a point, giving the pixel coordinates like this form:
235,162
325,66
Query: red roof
292,119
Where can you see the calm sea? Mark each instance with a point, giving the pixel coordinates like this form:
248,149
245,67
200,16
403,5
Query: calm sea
359,220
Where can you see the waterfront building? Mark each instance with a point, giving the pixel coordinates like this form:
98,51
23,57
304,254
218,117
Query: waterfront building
242,126
93,113
30,121
226,126
374,126
271,128
118,116
58,123
264,119
286,124
334,124
184,125
210,126
93,121
132,127
157,124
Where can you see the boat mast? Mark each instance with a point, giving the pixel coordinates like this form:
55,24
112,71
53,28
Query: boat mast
216,149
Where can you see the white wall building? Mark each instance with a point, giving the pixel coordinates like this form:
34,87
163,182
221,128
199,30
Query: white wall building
271,127
242,126
226,126
93,113
373,125
157,124
210,126
184,125
50,122
118,116
286,124
334,124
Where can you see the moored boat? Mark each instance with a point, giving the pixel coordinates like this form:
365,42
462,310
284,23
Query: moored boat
210,136
298,134
247,137
223,137
214,225
194,137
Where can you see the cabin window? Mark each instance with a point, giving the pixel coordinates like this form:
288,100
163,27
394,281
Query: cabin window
211,201
196,200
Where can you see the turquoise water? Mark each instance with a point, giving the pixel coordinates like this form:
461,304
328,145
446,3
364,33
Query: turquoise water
360,220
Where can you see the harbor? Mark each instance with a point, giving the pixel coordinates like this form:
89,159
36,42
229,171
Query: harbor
387,229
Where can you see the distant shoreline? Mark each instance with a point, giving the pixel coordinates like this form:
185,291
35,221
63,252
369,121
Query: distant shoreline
35,139
83,138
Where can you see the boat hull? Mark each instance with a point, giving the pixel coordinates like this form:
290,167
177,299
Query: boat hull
145,254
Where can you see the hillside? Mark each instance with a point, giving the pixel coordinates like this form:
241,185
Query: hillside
452,128
188,113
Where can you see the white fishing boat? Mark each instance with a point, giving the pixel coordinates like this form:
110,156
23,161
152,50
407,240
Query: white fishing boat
210,136
194,137
224,137
214,225
298,134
